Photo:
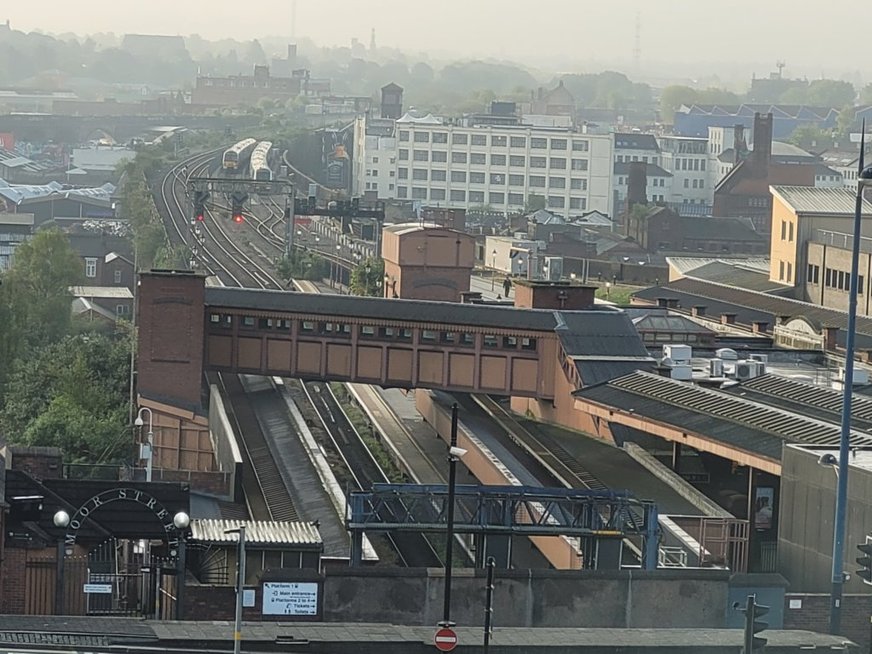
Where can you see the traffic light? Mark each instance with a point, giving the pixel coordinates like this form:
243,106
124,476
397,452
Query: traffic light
865,561
753,612
237,200
200,198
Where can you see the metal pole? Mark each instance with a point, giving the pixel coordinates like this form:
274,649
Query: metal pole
150,462
449,542
489,602
749,624
240,585
59,577
289,229
847,392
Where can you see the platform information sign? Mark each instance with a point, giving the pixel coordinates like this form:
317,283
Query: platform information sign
290,598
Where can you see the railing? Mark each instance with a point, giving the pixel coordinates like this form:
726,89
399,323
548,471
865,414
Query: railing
671,557
841,240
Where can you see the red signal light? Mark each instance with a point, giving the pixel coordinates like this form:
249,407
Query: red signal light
201,217
237,218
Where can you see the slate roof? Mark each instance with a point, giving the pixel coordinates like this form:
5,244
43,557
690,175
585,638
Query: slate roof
750,426
652,170
634,141
724,272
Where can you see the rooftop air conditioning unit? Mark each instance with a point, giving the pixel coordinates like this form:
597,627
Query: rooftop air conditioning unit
678,353
747,369
764,358
861,376
716,368
681,372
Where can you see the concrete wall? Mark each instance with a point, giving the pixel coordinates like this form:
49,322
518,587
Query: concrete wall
227,453
838,259
805,527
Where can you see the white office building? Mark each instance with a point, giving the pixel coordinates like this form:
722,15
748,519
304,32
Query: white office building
500,166
687,159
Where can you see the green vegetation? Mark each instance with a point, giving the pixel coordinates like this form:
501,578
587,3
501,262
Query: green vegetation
362,425
303,264
367,276
534,203
617,293
61,383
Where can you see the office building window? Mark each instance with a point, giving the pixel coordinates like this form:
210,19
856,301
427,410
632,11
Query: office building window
478,158
419,193
557,163
579,164
404,155
498,159
419,174
537,181
476,178
404,135
90,267
813,273
517,161
421,155
422,137
458,157
558,144
402,173
781,271
459,139
439,156
497,178
516,199
556,201
578,203
458,176
518,141
458,196
498,141
437,194
440,137
538,143
789,271
516,180
438,175
496,198
402,192
579,145
476,197
578,184
538,162
556,182
478,139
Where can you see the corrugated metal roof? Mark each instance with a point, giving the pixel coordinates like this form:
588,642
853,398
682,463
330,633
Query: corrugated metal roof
830,201
263,532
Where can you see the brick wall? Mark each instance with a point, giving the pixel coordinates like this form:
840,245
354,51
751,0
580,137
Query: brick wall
812,613
212,483
38,462
12,575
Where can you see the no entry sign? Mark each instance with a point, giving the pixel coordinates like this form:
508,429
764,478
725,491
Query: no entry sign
445,639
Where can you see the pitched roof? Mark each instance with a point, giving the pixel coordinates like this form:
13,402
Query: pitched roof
715,229
652,170
820,201
730,274
257,532
633,141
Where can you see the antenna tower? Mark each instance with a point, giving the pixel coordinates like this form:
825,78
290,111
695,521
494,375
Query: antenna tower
780,66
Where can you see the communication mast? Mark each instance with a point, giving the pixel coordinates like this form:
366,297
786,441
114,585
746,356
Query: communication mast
780,66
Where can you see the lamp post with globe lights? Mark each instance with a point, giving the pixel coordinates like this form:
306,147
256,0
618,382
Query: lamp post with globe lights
61,520
147,448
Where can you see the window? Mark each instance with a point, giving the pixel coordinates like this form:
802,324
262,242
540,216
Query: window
537,162
783,230
91,267
248,321
458,176
458,196
421,155
702,183
437,194
789,231
497,178
537,181
438,175
402,192
476,197
419,193
517,161
578,203
578,184
516,199
516,180
476,178
422,137
781,271
496,198
789,271
439,156
498,159
813,274
694,184
404,135
478,158
556,202
419,174
428,336
538,143
828,277
403,173
116,276
458,157
467,339
459,139
580,145
490,340
367,331
404,155
440,137
518,141
478,139
448,337
558,144
557,163
121,309
686,183
579,164
556,182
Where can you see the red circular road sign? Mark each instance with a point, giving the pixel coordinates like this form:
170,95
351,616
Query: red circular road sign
445,640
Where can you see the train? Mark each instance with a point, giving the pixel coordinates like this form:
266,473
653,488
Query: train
237,153
260,168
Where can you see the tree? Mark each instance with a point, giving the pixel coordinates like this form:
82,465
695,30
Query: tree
811,137
821,93
366,278
672,97
534,203
72,394
303,264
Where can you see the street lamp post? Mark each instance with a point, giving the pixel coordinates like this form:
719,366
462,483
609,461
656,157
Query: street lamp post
454,455
148,447
493,269
240,586
338,278
864,179
61,520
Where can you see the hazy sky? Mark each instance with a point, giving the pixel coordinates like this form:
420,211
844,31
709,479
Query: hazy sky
685,33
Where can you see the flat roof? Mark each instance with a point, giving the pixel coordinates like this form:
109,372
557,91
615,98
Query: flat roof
105,292
839,201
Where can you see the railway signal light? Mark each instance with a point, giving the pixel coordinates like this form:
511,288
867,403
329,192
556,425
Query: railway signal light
237,200
753,625
865,561
200,198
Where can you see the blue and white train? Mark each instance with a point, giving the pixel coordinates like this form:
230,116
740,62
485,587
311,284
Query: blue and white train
260,168
236,154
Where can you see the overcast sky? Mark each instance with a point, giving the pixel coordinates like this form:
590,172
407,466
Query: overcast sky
685,33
